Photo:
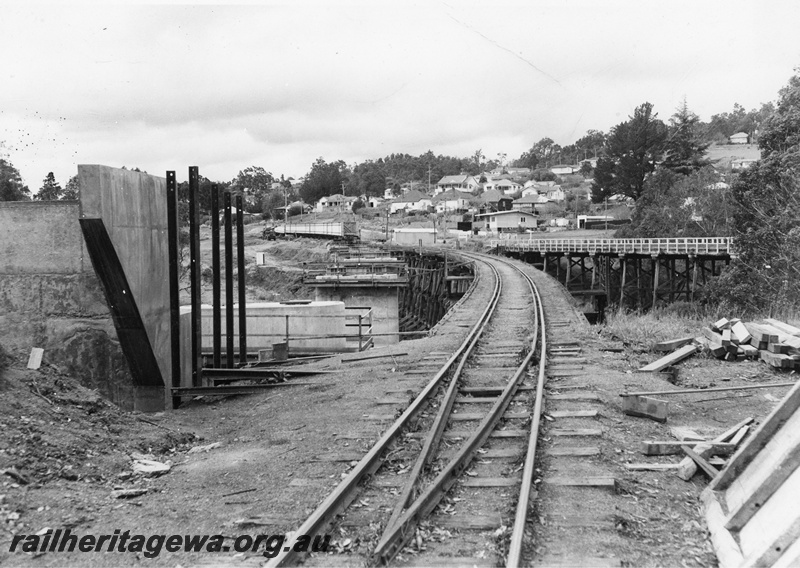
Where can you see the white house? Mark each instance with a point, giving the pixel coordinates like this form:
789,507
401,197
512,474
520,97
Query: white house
335,202
451,201
563,169
555,193
528,202
530,190
504,221
463,182
505,185
412,201
738,138
373,201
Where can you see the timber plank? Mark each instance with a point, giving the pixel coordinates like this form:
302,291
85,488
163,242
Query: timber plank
741,515
576,432
478,522
491,482
575,396
670,359
573,451
597,481
659,448
573,413
671,345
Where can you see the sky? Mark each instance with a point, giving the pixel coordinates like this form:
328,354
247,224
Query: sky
279,84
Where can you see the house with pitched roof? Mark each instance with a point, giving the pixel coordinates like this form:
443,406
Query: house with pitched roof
507,221
452,201
462,182
335,202
411,201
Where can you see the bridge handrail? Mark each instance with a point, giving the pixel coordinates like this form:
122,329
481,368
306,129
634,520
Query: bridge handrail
710,245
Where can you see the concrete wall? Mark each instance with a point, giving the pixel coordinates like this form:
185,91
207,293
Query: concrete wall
266,324
412,237
384,301
51,298
133,207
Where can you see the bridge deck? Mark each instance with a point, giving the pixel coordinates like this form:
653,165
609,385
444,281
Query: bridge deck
712,246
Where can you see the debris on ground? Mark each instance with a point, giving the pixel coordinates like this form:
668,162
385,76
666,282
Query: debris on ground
772,341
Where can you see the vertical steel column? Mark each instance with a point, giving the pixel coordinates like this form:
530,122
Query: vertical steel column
241,280
194,272
228,281
174,285
216,276
622,284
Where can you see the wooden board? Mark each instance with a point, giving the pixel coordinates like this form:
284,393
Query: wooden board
599,481
576,432
491,482
784,327
572,451
670,359
761,436
573,413
671,345
740,332
575,396
667,448
476,522
710,470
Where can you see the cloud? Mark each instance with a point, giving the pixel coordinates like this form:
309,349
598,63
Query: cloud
278,85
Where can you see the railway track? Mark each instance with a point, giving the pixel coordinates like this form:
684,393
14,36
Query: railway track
456,458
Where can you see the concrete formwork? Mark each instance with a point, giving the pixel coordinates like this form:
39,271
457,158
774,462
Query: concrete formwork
271,322
384,301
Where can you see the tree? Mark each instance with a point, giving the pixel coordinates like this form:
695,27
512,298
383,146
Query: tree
358,204
203,192
50,190
586,169
11,186
540,155
253,183
73,190
766,212
676,205
479,160
273,201
323,179
591,143
368,178
685,148
633,147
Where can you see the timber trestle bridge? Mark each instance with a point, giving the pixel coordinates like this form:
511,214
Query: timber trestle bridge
468,439
631,273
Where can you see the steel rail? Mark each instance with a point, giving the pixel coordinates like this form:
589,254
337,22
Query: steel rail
398,535
514,558
343,494
434,436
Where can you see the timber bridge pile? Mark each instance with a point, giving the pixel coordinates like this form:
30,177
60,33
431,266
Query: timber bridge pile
631,273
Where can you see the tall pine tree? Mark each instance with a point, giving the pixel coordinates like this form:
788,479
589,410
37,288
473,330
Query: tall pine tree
685,149
50,190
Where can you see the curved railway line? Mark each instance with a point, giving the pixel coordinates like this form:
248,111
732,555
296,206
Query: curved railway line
468,438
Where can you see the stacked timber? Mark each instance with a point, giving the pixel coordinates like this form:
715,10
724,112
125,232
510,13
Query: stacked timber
772,341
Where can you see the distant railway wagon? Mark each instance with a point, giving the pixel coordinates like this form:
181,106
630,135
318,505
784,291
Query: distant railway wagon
343,231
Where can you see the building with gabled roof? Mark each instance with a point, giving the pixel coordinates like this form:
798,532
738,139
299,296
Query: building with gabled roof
507,221
463,182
